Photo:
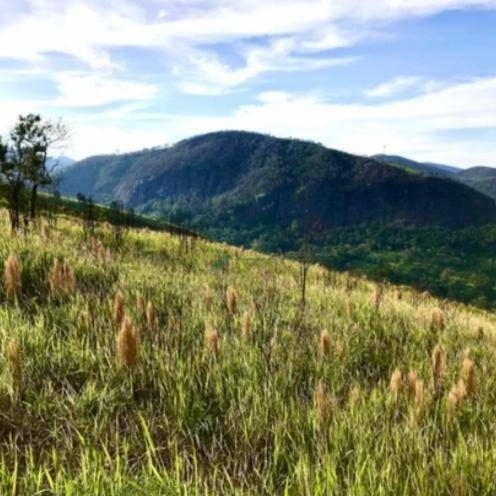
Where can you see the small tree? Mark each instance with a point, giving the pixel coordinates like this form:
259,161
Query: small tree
44,136
23,161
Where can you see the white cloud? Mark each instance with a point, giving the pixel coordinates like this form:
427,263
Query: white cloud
393,87
290,36
412,127
183,29
82,90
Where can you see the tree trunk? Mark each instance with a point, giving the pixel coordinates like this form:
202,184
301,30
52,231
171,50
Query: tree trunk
34,198
15,191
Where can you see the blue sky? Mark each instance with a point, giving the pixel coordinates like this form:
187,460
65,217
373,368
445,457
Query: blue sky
410,77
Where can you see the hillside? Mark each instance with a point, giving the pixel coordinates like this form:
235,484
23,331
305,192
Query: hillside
247,180
223,382
423,167
482,179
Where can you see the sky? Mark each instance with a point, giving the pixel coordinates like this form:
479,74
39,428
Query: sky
408,77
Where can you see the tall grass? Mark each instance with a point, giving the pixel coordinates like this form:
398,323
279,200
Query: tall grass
235,391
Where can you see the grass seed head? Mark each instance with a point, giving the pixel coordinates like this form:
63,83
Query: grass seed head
128,344
12,277
61,278
468,376
438,320
151,318
411,383
212,340
118,309
325,343
354,395
231,300
322,404
395,384
246,324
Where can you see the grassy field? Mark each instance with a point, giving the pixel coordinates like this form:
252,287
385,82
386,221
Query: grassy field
169,365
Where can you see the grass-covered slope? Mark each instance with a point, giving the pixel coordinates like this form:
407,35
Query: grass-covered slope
261,403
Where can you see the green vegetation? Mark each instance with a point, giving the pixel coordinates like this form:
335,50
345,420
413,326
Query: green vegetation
458,264
240,180
52,205
163,364
277,195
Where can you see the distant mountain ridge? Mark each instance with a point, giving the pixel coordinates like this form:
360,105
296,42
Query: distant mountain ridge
248,181
427,167
480,178
60,162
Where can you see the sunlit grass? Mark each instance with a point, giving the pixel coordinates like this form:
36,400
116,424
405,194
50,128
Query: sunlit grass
229,386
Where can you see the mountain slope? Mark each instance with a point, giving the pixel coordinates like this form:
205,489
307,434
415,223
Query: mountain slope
480,178
244,180
423,167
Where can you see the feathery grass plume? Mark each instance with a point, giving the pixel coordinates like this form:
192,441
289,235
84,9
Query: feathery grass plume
127,344
455,398
354,395
68,278
118,309
418,402
246,324
325,343
61,278
411,383
395,384
322,405
231,301
438,321
437,370
419,394
14,360
468,376
212,339
12,277
55,276
151,317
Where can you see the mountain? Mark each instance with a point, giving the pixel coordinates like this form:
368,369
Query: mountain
242,180
423,167
61,162
480,178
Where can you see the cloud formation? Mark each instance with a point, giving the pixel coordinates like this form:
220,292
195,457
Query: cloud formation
218,48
